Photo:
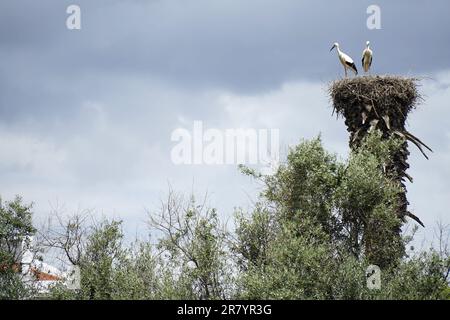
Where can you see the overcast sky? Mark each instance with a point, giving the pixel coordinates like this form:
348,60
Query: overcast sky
86,115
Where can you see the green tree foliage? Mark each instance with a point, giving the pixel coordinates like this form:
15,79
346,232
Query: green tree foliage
193,249
109,269
354,202
188,261
319,223
323,222
15,226
366,201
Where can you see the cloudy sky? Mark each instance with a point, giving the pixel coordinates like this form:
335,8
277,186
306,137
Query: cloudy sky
86,115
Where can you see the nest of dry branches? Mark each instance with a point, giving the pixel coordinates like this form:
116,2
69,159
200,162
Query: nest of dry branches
380,102
377,102
386,94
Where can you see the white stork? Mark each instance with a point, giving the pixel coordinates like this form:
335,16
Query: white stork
367,57
346,61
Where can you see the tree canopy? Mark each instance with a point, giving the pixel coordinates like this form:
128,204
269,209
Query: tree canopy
318,224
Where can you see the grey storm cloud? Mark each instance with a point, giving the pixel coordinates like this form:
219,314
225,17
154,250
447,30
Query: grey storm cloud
86,116
242,45
245,46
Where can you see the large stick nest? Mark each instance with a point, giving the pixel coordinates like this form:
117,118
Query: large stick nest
388,95
376,102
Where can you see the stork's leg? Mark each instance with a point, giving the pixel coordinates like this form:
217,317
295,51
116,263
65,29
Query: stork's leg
345,70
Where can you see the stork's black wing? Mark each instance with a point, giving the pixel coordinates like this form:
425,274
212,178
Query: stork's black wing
352,66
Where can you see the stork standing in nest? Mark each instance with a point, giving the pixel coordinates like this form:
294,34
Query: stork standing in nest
346,61
367,57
